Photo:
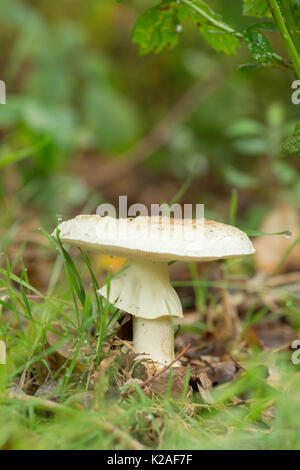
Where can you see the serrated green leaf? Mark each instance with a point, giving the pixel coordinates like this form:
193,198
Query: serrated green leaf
259,45
218,40
291,146
258,8
156,29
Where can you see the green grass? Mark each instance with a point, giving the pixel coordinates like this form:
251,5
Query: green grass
76,412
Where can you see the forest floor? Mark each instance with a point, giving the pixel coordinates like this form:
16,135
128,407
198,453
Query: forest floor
71,380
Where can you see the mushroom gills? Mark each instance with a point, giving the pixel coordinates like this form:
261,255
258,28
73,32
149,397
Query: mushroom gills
144,290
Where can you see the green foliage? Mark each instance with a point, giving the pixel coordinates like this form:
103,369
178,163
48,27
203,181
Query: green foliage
259,45
21,154
291,146
157,27
251,137
70,410
218,39
110,117
160,26
77,93
67,93
258,8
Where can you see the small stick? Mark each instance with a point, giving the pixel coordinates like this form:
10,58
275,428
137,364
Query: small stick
166,367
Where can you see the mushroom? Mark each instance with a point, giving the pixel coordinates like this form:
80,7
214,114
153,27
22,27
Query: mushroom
143,289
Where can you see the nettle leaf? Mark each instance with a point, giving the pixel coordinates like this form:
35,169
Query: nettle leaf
258,8
259,45
220,41
291,146
157,28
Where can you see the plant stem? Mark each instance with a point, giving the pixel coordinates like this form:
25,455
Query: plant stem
290,22
285,34
280,62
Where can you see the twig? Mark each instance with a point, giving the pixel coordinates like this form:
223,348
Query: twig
147,382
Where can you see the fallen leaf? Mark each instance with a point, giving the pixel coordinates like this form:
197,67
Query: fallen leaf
271,249
68,349
276,335
104,365
48,390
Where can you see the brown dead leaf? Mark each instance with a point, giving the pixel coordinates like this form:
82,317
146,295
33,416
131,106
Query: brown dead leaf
251,337
68,349
271,249
48,390
210,363
225,372
104,365
207,345
231,326
276,335
205,381
160,384
205,394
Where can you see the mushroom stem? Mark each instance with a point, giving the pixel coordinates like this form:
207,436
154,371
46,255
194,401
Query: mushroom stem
145,291
154,339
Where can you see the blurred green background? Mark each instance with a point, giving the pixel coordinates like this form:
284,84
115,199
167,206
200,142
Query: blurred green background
79,95
87,119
